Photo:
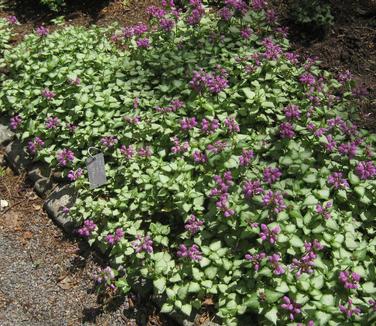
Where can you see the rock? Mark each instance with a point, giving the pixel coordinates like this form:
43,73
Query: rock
38,171
63,196
6,135
16,156
43,187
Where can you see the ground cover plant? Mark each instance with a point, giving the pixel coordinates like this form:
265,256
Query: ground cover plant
236,177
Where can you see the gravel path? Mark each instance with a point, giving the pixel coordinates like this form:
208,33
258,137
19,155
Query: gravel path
45,277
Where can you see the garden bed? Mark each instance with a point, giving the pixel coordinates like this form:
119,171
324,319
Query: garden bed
238,182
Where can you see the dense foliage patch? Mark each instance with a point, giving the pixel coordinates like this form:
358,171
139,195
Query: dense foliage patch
236,176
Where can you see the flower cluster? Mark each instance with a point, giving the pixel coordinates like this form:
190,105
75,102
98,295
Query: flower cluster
270,235
192,252
350,280
143,244
113,239
306,263
193,225
275,201
221,191
34,145
87,229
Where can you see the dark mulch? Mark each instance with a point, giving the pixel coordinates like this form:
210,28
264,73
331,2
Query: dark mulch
46,277
350,44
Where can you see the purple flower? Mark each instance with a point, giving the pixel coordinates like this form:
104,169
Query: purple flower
128,32
292,57
34,145
271,16
366,170
188,123
144,152
349,280
193,225
258,5
179,147
306,263
42,31
348,149
88,227
113,239
140,29
225,13
49,95
274,261
155,11
238,5
65,156
71,127
215,83
199,157
231,125
209,127
286,130
52,122
270,235
15,121
128,152
106,276
345,76
292,307
132,120
292,112
337,181
109,141
217,147
307,79
272,50
143,244
167,24
143,43
192,253
246,33
221,190
271,175
246,157
74,175
74,81
252,188
196,15
255,259
274,200
349,311
373,304
331,143
12,20
324,210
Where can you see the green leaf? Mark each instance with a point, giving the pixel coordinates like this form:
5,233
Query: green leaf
215,246
193,287
328,300
295,241
167,308
369,287
248,93
272,296
272,315
310,201
211,272
186,309
310,178
160,284
164,179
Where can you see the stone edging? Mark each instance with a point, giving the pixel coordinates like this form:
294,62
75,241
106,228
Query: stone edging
58,195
